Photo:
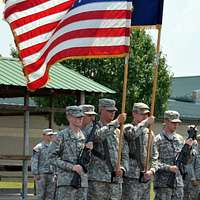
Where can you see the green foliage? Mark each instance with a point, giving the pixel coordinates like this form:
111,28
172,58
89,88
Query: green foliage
110,73
14,53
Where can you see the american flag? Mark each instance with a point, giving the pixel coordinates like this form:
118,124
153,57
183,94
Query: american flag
47,31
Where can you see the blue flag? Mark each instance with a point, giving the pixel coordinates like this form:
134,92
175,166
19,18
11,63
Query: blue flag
147,13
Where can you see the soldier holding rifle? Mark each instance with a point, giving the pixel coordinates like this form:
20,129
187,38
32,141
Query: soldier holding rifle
168,145
195,173
64,153
136,135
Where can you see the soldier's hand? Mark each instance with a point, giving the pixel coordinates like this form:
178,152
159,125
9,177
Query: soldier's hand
121,118
150,120
119,173
189,141
148,174
173,168
37,177
89,145
194,183
77,168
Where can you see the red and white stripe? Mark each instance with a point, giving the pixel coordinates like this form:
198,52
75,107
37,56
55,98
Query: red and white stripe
46,31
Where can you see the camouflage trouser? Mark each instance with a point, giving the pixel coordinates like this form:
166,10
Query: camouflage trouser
187,188
169,194
70,193
104,191
45,187
133,190
195,192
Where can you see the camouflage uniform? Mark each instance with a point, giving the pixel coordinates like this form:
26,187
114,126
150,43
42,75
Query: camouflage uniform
195,174
106,144
63,153
167,147
41,167
136,136
188,189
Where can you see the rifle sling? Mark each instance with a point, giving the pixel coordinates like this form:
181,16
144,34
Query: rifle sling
107,156
98,154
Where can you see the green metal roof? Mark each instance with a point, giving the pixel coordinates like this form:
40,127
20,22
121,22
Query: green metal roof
181,97
60,77
187,110
182,87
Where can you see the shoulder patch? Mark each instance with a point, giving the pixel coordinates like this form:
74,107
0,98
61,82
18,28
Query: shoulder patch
37,147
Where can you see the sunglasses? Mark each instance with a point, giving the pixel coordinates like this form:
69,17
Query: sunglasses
111,111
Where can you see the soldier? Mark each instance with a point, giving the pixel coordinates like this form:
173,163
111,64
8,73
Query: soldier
41,168
64,153
103,167
88,119
195,174
188,170
168,144
136,135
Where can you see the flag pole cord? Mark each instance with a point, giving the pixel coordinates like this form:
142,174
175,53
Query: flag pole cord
123,110
153,96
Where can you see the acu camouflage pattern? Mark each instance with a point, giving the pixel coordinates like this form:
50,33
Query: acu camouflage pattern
40,166
188,189
87,130
70,193
167,147
99,172
46,187
169,194
63,154
132,188
39,162
187,182
195,176
104,190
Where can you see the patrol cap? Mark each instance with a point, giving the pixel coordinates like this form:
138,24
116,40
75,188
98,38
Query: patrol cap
46,131
141,108
172,116
88,109
198,137
108,104
51,133
75,111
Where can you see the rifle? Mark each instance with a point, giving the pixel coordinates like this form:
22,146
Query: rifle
84,158
183,157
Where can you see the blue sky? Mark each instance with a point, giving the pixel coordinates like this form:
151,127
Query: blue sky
180,36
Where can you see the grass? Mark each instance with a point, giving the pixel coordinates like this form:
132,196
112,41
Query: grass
18,185
14,185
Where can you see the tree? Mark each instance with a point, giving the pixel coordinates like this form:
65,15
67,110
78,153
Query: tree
110,72
14,53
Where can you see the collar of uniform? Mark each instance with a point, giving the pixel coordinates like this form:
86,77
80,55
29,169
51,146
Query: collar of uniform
134,123
170,136
88,126
78,135
100,123
45,144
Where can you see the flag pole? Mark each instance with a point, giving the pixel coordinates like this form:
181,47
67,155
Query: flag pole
153,96
123,111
